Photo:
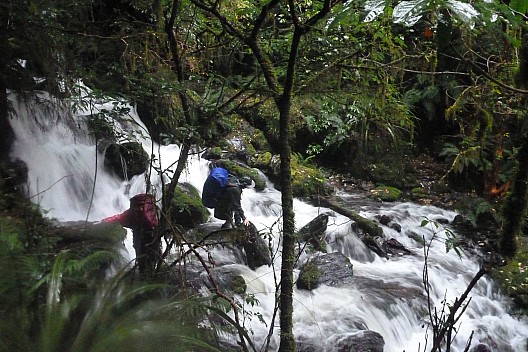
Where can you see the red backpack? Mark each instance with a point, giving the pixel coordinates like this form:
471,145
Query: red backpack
149,207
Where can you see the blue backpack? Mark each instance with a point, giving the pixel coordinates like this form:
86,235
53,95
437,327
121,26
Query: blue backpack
213,186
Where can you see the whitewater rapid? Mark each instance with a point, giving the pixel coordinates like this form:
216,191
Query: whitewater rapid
68,179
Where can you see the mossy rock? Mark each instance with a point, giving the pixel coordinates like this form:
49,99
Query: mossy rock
386,193
308,180
262,160
384,173
419,193
187,209
513,277
135,158
309,277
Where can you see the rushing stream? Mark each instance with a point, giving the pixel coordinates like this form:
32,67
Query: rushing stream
69,181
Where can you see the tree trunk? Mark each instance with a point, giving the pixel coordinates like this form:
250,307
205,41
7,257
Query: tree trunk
287,339
516,204
6,134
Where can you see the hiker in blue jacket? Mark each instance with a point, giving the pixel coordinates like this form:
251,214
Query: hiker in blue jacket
229,206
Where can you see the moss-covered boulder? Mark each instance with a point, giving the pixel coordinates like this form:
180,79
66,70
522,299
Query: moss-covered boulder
84,238
513,276
309,276
386,193
127,159
333,269
307,179
187,209
262,160
418,193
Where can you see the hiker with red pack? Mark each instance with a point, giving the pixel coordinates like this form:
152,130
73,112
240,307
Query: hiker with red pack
142,219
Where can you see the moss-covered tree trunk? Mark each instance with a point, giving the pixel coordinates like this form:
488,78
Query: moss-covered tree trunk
287,341
6,132
516,204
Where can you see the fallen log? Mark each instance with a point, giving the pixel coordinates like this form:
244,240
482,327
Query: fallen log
366,225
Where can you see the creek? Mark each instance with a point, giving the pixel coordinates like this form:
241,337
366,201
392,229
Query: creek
68,179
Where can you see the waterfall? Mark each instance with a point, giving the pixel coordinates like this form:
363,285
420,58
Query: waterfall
69,181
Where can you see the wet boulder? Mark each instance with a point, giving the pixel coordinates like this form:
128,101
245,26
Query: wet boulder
186,208
226,278
333,269
385,248
127,159
256,248
361,341
313,233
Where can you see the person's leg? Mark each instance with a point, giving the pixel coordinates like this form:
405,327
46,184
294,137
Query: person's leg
140,250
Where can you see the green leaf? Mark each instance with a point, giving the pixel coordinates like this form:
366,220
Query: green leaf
520,6
410,12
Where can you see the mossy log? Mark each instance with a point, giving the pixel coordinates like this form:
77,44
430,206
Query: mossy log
366,225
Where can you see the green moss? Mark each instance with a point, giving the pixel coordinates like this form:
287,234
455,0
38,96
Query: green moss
187,209
216,150
307,180
10,228
309,276
263,160
419,193
386,193
513,277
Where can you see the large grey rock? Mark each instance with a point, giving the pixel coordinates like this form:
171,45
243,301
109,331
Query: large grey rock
333,269
361,341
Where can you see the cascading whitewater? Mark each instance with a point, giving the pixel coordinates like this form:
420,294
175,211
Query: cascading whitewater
68,179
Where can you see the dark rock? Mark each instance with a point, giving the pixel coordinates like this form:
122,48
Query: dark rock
375,244
395,227
396,248
333,269
313,232
361,341
127,159
384,219
480,348
227,278
256,248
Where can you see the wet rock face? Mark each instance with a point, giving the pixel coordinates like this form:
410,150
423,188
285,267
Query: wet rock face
358,341
256,248
361,341
313,232
127,159
332,269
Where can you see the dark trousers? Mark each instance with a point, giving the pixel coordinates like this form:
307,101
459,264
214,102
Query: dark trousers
147,245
